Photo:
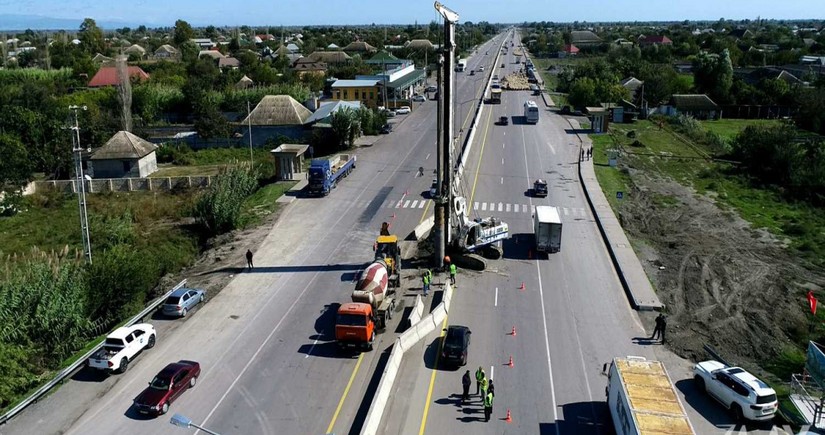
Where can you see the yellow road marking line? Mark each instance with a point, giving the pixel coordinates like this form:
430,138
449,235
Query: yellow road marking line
346,391
425,211
480,156
432,381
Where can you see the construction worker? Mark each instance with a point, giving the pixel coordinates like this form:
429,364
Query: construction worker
425,278
452,273
480,375
488,406
492,388
465,384
446,262
430,275
485,386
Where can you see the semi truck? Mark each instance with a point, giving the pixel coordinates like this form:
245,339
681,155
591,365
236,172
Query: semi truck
642,400
547,228
357,322
324,174
461,65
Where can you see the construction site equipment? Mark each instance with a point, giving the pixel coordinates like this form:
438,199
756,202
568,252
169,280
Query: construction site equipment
482,235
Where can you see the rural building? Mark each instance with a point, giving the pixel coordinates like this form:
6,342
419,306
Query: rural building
124,155
568,50
228,63
107,76
368,92
360,47
244,83
289,159
135,50
203,43
419,44
400,83
699,106
167,52
330,57
646,41
305,66
584,38
323,116
214,54
275,115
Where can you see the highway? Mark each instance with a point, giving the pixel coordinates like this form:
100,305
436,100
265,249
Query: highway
265,343
569,310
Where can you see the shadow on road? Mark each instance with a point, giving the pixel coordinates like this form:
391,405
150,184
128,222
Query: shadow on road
287,269
372,386
323,341
133,414
581,418
645,341
86,374
521,246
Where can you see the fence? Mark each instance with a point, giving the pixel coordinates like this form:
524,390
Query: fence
105,185
757,112
82,360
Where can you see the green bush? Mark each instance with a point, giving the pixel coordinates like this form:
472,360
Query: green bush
119,281
175,153
17,370
218,210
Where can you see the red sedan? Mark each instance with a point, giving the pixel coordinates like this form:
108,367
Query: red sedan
167,386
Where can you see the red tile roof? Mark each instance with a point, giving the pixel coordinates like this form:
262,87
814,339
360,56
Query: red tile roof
655,39
107,76
570,48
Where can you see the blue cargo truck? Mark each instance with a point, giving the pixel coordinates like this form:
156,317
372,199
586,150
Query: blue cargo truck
325,173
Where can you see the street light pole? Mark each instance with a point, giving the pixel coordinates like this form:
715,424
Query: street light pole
81,185
185,422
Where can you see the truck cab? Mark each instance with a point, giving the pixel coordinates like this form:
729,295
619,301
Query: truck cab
355,326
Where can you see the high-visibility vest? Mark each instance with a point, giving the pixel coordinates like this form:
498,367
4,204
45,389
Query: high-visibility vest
479,375
452,269
484,383
488,401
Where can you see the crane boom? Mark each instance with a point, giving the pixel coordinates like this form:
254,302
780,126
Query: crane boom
445,12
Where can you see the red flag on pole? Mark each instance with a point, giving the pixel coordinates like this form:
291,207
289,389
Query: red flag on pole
812,301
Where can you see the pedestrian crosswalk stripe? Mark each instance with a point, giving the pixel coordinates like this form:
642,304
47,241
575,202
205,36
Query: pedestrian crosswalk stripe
508,208
565,210
524,208
406,203
500,206
475,206
483,206
532,208
414,203
492,206
387,204
421,205
398,205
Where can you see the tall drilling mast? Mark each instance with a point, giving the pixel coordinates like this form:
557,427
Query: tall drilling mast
444,137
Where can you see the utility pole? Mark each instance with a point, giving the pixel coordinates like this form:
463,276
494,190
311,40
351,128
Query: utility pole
81,184
249,124
444,143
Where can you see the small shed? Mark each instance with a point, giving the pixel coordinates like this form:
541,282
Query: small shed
289,159
124,155
599,118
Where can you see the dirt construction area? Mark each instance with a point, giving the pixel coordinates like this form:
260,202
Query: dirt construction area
723,283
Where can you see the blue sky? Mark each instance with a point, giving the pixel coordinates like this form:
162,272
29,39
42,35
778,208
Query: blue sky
296,12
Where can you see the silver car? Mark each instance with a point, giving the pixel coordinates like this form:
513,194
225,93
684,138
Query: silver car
182,300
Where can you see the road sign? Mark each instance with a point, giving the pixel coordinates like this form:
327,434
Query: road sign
619,195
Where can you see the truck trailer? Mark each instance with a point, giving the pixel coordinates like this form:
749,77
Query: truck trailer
495,95
642,400
324,174
547,228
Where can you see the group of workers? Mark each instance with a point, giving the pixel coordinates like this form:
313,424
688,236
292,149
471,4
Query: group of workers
484,388
427,275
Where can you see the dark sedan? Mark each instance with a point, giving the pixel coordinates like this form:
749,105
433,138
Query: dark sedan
167,386
456,344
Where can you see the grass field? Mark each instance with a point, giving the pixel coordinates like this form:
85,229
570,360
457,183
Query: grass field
262,202
729,128
210,161
663,153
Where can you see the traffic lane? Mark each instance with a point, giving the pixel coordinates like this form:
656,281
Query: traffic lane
229,320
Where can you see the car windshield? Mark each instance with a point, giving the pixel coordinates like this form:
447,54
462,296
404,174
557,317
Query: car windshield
172,300
352,320
160,383
768,398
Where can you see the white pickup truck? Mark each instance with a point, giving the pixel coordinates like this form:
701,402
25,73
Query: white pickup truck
121,346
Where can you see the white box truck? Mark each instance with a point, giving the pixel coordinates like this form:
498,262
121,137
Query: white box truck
642,400
547,228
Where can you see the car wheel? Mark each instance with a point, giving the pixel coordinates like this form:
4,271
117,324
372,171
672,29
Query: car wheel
151,343
164,408
193,381
124,364
203,298
183,313
700,384
736,410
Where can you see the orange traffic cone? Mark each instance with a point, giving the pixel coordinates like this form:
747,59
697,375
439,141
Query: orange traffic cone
511,361
509,418
513,332
522,286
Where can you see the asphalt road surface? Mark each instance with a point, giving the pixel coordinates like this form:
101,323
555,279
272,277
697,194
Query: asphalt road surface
569,310
265,343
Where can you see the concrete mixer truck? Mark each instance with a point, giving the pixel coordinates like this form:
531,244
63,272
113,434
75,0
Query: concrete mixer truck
357,322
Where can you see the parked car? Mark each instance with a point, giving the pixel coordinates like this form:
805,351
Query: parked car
419,98
504,120
456,344
122,346
403,110
391,113
431,88
386,129
742,393
182,300
167,386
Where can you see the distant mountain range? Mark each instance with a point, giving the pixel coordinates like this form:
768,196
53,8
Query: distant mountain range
13,22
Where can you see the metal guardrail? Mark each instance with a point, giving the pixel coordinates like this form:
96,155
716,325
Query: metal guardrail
66,372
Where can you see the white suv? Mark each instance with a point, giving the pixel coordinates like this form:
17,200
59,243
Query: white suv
741,392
